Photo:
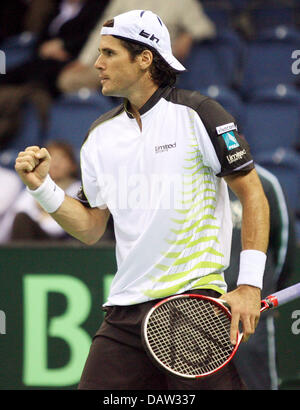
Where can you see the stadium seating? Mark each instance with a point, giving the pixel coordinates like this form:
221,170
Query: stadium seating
267,60
220,12
72,115
8,158
271,13
30,129
30,132
238,5
213,62
18,49
272,118
228,98
285,164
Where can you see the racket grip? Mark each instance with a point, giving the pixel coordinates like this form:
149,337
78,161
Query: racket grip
285,295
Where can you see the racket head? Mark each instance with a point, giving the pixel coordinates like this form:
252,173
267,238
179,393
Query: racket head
180,340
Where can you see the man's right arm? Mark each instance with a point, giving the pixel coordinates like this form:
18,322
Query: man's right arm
85,224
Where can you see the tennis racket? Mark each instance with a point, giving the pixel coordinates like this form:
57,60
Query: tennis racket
189,335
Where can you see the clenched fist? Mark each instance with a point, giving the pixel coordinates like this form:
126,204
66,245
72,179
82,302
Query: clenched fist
33,165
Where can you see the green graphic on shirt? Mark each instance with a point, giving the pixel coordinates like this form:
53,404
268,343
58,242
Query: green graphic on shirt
193,259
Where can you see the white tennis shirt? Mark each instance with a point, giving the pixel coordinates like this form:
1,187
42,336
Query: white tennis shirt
163,187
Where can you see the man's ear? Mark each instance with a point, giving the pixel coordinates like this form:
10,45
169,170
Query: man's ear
145,59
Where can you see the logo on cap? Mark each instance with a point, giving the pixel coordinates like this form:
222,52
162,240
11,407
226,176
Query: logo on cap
147,35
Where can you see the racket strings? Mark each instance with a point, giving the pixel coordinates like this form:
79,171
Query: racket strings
195,336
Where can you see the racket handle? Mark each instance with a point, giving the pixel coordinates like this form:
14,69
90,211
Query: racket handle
283,296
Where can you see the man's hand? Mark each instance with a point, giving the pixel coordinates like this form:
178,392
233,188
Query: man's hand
245,306
54,49
33,165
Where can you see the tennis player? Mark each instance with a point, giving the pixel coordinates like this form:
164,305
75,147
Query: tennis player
160,163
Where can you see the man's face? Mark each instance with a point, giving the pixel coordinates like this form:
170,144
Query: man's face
117,72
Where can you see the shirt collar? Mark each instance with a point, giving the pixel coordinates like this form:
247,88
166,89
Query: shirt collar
151,102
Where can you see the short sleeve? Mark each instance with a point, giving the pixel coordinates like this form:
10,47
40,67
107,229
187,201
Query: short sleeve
231,148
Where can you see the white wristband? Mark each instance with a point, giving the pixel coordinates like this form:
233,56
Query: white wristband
252,267
49,195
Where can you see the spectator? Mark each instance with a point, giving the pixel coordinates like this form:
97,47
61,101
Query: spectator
10,188
256,360
17,16
59,43
185,20
27,220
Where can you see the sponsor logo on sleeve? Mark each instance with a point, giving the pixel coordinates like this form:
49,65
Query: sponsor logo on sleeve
226,128
230,140
236,156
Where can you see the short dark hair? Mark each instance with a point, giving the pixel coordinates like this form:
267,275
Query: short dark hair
161,72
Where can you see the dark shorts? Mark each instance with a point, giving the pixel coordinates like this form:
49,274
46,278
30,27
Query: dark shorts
117,359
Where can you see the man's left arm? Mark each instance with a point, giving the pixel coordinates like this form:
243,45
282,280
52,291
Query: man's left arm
244,301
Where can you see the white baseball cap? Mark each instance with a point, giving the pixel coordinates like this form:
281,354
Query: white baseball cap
145,27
